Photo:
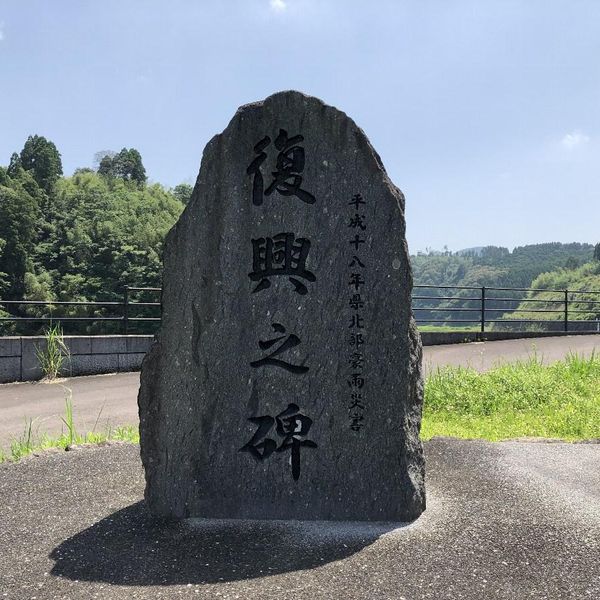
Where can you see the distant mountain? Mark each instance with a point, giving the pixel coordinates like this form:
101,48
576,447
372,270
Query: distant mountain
496,265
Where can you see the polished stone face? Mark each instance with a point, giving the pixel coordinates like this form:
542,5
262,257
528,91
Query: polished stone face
286,380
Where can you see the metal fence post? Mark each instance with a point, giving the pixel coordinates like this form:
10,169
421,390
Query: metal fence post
483,309
125,310
566,310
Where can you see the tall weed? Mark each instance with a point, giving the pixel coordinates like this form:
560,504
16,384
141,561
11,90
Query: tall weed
54,353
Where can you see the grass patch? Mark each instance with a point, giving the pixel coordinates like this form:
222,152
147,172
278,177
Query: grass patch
527,398
19,448
27,444
54,353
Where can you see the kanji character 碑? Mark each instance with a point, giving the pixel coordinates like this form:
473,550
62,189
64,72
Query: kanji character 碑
292,425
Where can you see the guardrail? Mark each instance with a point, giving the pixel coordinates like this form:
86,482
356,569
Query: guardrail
487,302
478,308
123,308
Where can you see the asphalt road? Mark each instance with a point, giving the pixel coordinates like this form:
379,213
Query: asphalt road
109,400
99,402
484,355
507,520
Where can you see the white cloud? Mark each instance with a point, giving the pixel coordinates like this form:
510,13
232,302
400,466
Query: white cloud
574,139
1,30
278,5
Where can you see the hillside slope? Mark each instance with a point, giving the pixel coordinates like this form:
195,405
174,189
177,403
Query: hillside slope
492,267
583,284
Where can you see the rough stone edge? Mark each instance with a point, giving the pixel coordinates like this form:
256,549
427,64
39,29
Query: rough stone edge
414,447
258,105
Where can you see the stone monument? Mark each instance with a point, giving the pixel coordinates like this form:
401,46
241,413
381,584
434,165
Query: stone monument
286,381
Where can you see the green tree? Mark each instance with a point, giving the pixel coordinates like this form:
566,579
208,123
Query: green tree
582,305
108,232
183,192
98,156
14,166
41,157
126,164
82,239
571,263
597,251
19,216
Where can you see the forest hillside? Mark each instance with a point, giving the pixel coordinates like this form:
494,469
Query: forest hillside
83,238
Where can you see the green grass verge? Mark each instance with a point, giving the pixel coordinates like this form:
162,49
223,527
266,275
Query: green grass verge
561,400
22,447
523,399
28,443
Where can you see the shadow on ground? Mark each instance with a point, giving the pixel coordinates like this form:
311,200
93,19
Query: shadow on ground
130,548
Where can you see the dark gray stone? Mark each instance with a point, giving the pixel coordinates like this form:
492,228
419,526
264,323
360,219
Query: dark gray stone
201,383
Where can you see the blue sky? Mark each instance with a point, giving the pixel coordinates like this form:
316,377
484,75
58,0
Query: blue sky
486,114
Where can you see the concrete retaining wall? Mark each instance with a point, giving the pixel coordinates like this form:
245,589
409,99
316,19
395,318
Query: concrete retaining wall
434,338
92,355
88,355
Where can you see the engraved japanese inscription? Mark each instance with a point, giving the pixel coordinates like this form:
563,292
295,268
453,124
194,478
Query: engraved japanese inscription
282,254
285,382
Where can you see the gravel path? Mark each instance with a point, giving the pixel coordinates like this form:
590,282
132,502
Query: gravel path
505,520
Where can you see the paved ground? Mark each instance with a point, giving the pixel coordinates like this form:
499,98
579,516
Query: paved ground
510,521
484,355
112,399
